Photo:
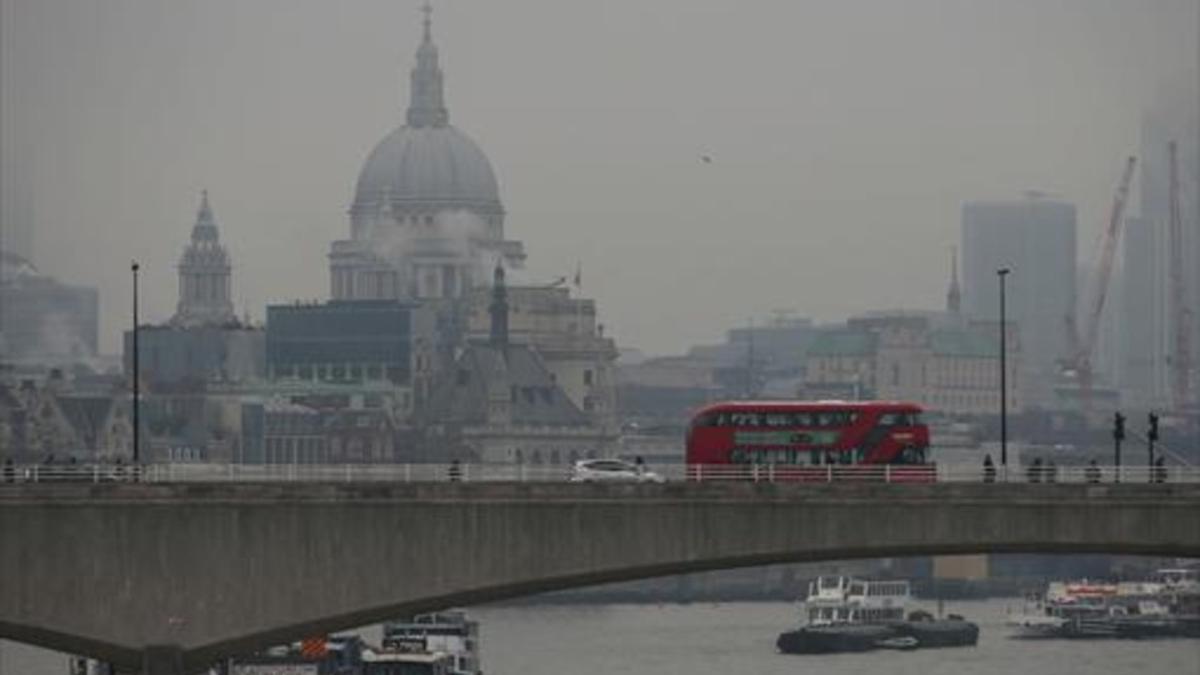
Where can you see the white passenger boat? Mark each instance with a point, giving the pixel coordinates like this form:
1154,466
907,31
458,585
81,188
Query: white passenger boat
847,615
448,632
1129,609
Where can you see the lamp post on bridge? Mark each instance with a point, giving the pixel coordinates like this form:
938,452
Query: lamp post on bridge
1151,439
134,267
1118,436
1002,274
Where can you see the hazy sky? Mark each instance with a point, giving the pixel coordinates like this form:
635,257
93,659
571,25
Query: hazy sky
845,135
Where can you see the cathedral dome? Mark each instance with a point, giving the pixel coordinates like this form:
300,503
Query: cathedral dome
428,166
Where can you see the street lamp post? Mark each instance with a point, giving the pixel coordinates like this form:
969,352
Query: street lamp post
136,376
1002,273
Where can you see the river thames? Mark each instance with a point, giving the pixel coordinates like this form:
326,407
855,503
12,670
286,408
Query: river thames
739,637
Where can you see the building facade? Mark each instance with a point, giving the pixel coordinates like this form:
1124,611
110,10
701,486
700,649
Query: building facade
942,362
204,342
1144,339
356,348
48,321
568,340
1034,239
51,420
501,403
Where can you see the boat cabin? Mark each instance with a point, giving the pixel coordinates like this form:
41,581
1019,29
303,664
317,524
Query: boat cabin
839,600
406,663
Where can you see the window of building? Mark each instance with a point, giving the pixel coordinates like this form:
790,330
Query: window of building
587,378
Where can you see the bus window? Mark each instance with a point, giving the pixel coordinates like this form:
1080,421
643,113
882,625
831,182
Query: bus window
744,419
777,420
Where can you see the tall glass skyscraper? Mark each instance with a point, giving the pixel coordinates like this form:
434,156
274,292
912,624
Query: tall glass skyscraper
1035,239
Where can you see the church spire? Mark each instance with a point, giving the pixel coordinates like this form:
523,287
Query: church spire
427,106
499,309
954,295
427,10
204,275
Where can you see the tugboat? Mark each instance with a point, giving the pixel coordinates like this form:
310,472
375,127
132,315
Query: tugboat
854,615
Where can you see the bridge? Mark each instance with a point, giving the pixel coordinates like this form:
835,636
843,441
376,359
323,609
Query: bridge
167,578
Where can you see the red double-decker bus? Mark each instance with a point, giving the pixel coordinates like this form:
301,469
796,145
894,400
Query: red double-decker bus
788,435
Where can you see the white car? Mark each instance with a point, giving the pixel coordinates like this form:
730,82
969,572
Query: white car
611,471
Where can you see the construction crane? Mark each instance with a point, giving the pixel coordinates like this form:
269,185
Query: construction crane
1181,314
1081,347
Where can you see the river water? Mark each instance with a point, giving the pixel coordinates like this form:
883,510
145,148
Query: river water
734,638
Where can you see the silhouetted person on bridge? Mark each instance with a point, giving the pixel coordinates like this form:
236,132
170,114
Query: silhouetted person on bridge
1034,473
989,469
1092,474
455,471
10,471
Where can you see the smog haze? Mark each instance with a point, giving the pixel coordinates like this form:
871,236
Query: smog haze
699,162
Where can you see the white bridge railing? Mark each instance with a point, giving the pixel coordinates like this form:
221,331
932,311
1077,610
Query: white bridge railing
498,473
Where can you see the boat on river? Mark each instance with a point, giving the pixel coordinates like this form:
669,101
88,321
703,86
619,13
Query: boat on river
441,643
449,632
844,614
1166,606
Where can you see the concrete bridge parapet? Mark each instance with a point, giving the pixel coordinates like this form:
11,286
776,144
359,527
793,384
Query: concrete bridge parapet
133,573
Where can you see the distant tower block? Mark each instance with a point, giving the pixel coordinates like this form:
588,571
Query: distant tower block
204,276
